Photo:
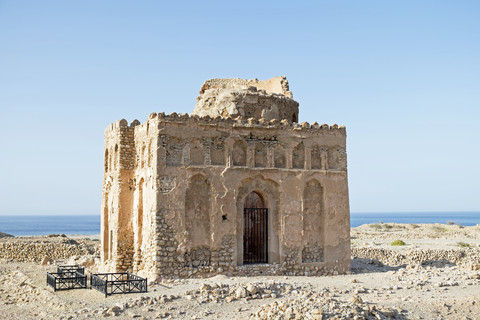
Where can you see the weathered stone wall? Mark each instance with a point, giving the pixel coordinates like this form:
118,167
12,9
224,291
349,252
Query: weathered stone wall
177,202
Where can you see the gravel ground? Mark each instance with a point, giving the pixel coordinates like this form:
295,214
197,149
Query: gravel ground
429,289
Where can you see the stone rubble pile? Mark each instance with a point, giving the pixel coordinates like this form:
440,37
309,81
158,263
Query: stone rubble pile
465,257
425,278
130,308
28,250
19,290
394,231
228,293
320,306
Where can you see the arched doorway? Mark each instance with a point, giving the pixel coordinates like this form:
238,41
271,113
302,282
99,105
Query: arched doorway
255,229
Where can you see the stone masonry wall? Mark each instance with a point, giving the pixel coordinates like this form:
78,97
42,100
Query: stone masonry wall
176,199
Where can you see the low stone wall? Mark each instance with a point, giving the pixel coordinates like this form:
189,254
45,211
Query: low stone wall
465,257
31,251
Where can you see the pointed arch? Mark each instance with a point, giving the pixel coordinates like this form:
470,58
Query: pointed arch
268,191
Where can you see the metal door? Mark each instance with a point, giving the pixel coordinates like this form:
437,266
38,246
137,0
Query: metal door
255,249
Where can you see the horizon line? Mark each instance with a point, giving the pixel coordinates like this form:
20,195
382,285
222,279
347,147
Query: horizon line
352,212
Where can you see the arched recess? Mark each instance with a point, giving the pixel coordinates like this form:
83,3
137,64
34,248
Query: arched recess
197,154
316,158
333,158
149,154
105,236
313,222
110,159
197,222
255,229
142,156
260,155
239,153
298,161
174,152
115,157
279,157
197,211
268,191
139,222
106,160
217,153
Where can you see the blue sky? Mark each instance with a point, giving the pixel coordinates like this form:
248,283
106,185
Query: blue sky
403,76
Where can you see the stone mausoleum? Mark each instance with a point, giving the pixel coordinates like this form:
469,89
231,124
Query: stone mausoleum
237,187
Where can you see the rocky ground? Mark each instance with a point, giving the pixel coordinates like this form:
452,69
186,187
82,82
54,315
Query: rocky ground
435,275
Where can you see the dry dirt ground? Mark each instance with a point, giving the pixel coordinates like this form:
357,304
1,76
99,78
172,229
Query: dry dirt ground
432,290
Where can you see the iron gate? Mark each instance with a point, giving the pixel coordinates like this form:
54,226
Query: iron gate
255,249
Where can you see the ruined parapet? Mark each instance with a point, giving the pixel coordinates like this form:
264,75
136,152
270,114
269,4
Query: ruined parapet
268,99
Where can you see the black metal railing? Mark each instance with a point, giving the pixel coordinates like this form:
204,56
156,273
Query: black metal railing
70,268
255,237
113,283
66,280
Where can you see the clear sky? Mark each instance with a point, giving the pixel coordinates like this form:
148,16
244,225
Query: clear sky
403,76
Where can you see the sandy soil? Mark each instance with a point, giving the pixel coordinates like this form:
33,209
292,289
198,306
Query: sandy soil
373,291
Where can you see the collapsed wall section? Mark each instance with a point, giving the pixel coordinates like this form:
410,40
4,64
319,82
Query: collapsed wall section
268,99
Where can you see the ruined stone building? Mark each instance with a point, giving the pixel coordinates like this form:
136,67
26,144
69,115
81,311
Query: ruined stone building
237,187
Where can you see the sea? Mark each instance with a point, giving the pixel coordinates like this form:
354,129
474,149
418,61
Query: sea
33,225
